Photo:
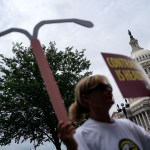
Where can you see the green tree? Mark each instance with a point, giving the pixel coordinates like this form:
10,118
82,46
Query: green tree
25,108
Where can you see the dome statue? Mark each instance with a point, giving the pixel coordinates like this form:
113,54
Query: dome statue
134,43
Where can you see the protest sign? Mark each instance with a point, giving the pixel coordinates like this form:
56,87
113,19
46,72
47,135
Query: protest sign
128,74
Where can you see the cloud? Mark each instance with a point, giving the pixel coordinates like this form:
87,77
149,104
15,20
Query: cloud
111,18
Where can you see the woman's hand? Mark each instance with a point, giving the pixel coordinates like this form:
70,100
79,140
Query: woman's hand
65,133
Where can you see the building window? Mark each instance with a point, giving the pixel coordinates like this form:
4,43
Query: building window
146,70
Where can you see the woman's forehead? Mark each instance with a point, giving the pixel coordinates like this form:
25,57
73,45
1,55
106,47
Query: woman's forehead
103,80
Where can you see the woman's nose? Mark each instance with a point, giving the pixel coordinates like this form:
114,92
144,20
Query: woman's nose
110,89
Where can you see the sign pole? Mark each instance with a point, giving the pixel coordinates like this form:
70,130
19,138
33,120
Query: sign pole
49,81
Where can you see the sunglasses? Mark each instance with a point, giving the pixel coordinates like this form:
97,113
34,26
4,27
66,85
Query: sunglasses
102,87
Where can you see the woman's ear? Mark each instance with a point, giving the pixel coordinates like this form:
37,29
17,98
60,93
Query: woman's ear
85,100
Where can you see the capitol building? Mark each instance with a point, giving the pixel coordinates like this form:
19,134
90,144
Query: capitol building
138,109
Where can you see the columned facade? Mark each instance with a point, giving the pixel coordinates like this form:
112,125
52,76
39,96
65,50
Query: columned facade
139,110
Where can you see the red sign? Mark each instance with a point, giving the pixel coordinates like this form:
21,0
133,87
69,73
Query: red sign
128,74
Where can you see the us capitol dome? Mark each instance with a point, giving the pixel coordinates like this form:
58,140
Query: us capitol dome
139,110
140,55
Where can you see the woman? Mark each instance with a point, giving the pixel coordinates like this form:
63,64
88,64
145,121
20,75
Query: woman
94,98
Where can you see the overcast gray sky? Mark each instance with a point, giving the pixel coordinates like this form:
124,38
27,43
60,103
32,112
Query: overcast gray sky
111,19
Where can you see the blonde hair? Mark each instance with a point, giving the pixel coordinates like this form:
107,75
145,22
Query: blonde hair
78,110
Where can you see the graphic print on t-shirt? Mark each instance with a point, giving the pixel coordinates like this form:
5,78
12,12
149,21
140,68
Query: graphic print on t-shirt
126,144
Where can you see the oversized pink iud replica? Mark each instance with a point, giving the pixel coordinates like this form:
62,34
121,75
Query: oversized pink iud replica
43,64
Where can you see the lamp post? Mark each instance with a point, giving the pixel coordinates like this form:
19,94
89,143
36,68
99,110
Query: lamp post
123,109
43,64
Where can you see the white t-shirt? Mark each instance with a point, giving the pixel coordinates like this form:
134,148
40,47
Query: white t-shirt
120,135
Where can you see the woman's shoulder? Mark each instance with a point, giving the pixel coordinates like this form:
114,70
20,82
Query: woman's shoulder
129,124
124,121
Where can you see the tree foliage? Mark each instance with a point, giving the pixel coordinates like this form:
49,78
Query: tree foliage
25,108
